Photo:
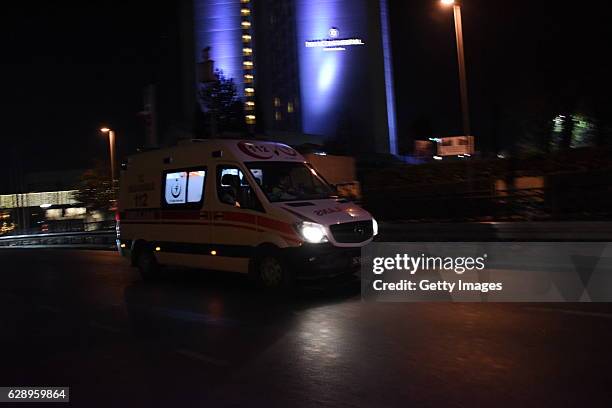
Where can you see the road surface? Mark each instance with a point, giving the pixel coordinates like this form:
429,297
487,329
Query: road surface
84,319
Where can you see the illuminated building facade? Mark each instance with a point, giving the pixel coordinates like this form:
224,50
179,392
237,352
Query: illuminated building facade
321,69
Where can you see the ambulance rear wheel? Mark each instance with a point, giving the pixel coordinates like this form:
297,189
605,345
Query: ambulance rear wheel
272,273
147,265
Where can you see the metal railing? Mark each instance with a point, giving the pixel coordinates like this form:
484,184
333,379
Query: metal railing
65,226
84,239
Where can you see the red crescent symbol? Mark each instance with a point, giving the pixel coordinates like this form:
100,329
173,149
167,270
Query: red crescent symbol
287,150
256,151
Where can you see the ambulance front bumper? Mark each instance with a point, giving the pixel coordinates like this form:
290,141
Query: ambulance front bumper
315,261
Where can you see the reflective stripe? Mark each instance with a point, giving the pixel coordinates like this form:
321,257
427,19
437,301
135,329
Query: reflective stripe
239,217
280,226
230,219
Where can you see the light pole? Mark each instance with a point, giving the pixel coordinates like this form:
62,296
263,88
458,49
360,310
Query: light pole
461,58
111,142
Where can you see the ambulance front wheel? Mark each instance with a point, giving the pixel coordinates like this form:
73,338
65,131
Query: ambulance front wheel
272,273
147,264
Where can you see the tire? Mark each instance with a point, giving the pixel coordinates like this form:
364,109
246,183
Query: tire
272,273
147,264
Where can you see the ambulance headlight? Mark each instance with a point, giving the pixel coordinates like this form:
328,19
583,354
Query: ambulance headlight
312,232
374,227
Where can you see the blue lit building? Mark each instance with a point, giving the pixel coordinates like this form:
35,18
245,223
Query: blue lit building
307,70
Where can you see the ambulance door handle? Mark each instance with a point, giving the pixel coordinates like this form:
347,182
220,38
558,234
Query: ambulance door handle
217,216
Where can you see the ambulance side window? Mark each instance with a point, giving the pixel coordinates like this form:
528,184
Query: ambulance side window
184,187
234,189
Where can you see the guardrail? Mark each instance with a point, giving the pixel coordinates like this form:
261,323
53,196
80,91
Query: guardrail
87,240
70,226
389,232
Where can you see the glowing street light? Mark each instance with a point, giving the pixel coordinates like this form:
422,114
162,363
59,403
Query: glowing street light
111,142
461,57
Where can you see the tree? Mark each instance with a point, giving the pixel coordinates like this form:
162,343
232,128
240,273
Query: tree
96,189
220,108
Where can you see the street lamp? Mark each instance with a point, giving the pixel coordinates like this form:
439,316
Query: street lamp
461,57
111,142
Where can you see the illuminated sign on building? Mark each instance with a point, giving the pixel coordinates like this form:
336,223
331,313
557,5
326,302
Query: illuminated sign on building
335,44
347,94
456,145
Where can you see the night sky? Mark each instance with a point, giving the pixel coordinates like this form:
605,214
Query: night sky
519,55
70,67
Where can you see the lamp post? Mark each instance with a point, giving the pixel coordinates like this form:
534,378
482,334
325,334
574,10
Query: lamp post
111,142
461,58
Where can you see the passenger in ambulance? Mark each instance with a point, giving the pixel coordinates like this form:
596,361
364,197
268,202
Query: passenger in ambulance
231,190
283,190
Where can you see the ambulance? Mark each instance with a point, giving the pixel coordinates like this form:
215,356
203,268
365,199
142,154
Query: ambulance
246,206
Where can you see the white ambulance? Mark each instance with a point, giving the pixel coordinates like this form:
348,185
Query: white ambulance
237,205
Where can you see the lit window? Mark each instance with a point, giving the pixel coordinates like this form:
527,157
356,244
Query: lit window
249,105
184,187
277,102
245,11
249,91
246,37
278,116
247,51
246,24
176,187
250,119
248,78
234,189
247,64
244,1
290,107
195,186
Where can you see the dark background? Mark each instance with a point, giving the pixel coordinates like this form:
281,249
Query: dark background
70,67
523,58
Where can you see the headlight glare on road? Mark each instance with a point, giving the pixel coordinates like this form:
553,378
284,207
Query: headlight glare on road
374,227
312,232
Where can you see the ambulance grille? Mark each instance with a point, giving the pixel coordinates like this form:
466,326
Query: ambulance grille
352,232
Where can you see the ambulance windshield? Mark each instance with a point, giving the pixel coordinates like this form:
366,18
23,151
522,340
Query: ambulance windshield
290,181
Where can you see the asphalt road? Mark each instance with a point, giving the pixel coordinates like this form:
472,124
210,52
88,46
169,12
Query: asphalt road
84,319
